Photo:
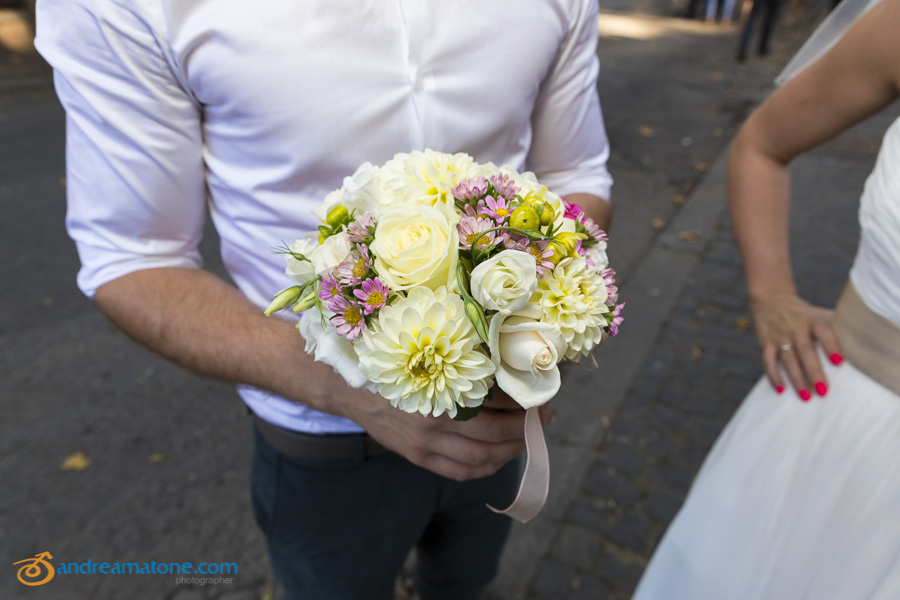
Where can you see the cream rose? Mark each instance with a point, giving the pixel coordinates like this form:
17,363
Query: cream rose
505,282
416,245
527,354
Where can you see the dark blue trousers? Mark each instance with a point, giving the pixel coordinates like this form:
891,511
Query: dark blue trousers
342,530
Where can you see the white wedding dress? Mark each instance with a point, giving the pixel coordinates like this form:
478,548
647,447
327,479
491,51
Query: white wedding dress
802,500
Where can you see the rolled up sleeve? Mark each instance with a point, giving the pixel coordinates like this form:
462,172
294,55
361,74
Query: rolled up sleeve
570,148
135,175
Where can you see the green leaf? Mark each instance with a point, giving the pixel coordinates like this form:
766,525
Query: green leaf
464,413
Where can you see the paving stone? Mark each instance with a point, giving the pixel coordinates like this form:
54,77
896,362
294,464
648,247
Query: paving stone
591,513
623,459
590,588
624,573
632,532
608,484
554,580
662,506
578,547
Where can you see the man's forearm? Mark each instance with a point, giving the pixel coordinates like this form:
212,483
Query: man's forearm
202,323
595,207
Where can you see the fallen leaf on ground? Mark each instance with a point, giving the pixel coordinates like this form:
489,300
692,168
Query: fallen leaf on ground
657,223
743,323
697,351
157,457
689,236
75,462
700,167
645,131
679,199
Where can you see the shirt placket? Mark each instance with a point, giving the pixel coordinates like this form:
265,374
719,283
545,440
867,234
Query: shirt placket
415,16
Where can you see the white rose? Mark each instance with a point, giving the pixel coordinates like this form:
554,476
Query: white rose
331,253
332,349
505,282
360,192
301,271
527,353
597,255
416,245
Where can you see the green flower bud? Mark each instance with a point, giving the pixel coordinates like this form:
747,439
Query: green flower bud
476,316
283,299
338,215
307,301
525,217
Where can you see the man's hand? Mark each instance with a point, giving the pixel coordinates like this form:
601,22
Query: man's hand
458,450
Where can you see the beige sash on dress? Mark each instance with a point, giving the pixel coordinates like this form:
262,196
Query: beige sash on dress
868,340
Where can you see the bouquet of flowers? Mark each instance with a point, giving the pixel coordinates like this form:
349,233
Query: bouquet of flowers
432,277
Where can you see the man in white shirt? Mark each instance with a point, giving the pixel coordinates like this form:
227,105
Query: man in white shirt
256,112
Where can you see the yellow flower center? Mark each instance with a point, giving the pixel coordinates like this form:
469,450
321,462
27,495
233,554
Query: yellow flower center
375,298
501,212
359,267
352,316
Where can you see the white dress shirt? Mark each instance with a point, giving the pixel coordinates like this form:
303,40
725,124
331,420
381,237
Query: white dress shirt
257,110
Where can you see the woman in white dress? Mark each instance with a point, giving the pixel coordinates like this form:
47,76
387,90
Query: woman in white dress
800,496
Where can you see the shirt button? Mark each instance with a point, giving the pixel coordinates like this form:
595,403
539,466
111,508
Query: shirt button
419,82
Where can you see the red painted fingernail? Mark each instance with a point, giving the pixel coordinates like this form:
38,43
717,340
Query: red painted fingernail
804,395
821,388
836,359
779,388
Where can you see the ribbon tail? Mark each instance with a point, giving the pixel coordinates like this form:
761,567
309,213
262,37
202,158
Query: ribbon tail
536,478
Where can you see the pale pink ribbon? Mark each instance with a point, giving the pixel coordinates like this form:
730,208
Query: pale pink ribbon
536,478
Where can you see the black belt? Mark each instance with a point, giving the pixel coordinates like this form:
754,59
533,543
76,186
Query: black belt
328,447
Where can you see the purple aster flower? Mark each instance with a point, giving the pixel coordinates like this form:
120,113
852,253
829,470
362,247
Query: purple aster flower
352,270
505,186
470,189
330,288
362,228
609,278
497,208
470,228
586,225
374,295
348,318
541,252
616,320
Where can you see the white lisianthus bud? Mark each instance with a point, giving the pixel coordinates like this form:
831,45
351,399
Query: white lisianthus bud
505,282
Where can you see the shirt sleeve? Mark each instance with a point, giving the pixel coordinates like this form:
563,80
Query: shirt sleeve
135,176
569,146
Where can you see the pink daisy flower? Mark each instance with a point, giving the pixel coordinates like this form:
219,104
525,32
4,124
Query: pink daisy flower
362,228
374,295
505,186
609,278
330,288
616,320
541,252
352,270
470,228
470,189
348,318
586,225
497,208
